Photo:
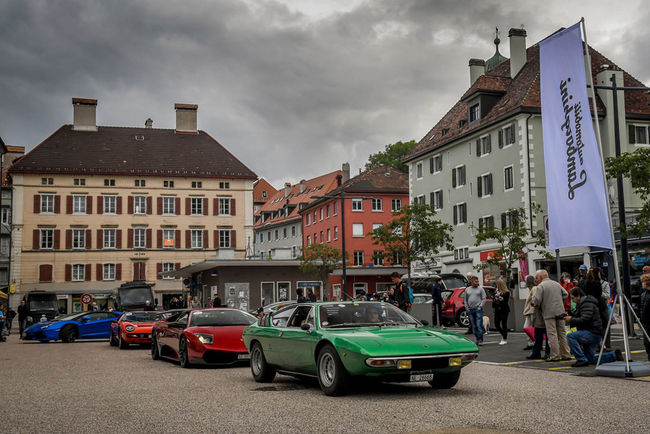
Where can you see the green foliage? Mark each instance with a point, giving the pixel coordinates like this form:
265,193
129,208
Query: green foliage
414,234
636,167
392,156
320,260
513,240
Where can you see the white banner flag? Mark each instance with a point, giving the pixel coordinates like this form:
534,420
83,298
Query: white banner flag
575,191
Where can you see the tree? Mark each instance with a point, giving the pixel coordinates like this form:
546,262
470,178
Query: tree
392,156
414,235
514,240
636,167
320,260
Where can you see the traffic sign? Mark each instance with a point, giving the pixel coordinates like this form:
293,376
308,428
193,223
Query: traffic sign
12,289
86,298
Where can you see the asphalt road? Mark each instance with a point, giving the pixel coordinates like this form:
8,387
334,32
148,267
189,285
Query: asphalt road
91,387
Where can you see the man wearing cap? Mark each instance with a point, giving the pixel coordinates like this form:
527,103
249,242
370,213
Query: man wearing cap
579,280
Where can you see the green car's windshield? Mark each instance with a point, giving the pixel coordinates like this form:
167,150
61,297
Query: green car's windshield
362,314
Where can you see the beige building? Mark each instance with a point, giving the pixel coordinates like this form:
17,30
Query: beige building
96,206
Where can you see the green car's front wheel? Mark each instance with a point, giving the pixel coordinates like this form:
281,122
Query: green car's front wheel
445,381
262,372
332,376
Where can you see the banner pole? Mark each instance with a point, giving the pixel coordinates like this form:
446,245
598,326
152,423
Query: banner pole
617,272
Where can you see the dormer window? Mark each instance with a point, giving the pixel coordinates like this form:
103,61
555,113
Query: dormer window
445,131
462,123
474,114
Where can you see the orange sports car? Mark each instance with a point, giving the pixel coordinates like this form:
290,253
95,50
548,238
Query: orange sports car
133,328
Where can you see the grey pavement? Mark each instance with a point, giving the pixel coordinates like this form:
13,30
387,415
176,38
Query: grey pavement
89,387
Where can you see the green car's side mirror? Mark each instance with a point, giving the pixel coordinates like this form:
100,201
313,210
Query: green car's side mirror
306,327
424,322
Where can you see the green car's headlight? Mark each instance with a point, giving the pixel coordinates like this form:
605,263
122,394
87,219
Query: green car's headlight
204,338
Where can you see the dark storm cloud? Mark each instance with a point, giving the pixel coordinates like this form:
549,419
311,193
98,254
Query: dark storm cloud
290,95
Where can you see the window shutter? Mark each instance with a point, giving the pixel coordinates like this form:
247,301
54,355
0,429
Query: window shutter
159,207
504,223
233,207
177,206
432,197
57,239
215,206
149,240
68,272
431,164
100,204
158,270
489,182
89,204
68,239
100,273
100,239
45,273
500,139
149,204
188,239
206,239
89,244
37,204
129,238
177,240
216,239
118,206
489,144
478,147
455,214
206,204
118,271
631,134
479,186
36,241
88,273
68,204
159,239
512,133
188,206
57,204
177,266
118,239
453,177
129,207
233,239
136,271
442,202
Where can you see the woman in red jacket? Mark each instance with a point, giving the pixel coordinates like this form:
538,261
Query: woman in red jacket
565,281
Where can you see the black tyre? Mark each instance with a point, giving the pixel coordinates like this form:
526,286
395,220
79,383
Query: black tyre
68,334
462,318
445,381
332,376
121,342
112,340
183,358
262,372
155,352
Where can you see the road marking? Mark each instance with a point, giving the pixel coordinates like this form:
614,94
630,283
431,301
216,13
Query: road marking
559,367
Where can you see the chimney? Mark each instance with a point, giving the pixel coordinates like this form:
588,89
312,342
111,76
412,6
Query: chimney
517,50
302,185
84,113
186,118
148,123
346,171
476,69
287,189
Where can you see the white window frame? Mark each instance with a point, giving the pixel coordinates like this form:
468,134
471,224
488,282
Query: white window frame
336,233
109,238
77,201
437,163
6,215
139,209
418,170
437,197
109,199
484,145
173,237
396,205
224,206
168,205
321,214
46,239
308,219
357,205
329,235
335,208
506,143
379,262
484,218
355,230
140,241
78,238
421,199
355,256
376,226
196,238
46,203
505,178
377,205
647,135
461,253
77,275
106,271
458,207
484,184
196,205
308,240
166,269
456,172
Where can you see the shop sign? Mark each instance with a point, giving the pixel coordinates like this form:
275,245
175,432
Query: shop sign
307,284
12,289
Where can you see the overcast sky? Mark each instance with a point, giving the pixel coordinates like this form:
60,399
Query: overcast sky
294,87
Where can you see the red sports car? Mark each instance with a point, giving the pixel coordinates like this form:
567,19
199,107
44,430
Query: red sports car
202,336
133,328
453,308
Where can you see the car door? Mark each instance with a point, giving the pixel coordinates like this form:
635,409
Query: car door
297,345
175,330
92,325
270,336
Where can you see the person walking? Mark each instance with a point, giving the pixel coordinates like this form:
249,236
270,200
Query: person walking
301,298
501,310
11,314
436,302
2,323
469,330
400,292
216,302
311,296
195,303
645,310
474,302
529,309
549,296
23,313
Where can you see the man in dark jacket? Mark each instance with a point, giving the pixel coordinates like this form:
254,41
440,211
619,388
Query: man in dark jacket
401,293
584,342
23,312
436,306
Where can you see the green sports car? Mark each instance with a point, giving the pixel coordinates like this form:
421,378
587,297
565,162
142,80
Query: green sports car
337,340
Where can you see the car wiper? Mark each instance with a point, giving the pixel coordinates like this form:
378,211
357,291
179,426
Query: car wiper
343,324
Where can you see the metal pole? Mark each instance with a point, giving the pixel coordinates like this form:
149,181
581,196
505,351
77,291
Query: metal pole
344,283
557,264
609,212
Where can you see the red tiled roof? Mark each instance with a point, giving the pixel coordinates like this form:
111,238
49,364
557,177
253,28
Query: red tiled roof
132,151
317,186
262,185
378,180
520,94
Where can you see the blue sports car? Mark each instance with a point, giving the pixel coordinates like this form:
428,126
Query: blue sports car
68,328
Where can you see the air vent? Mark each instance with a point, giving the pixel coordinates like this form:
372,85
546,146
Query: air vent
139,138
